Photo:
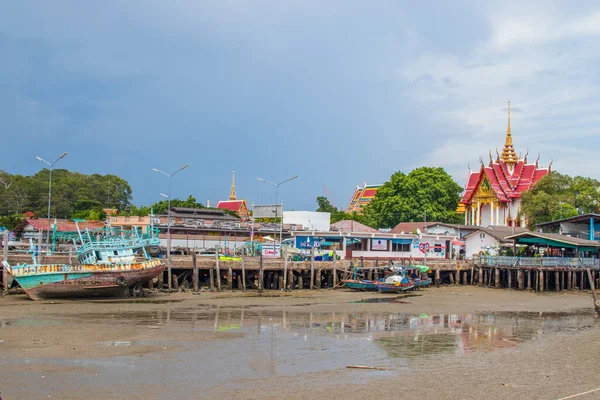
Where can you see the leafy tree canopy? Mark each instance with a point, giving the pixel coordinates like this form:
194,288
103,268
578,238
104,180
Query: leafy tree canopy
558,196
163,205
407,197
72,193
336,215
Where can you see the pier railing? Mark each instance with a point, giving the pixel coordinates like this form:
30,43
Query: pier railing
535,262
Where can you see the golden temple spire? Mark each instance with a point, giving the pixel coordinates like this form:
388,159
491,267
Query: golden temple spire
508,153
232,195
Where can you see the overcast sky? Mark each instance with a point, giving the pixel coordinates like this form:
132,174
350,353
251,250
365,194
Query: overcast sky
337,92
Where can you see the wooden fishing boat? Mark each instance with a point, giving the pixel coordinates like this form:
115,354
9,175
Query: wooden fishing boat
420,282
396,284
362,285
107,265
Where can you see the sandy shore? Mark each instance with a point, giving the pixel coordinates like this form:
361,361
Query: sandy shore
163,346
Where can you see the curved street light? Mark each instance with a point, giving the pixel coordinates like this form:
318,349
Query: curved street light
276,193
169,219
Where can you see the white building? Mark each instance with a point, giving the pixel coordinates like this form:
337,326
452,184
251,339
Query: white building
310,220
489,239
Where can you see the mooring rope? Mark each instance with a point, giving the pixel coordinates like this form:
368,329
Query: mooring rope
579,394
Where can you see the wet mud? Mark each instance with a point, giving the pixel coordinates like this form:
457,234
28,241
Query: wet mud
191,348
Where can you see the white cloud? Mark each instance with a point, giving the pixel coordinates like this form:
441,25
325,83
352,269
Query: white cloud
540,61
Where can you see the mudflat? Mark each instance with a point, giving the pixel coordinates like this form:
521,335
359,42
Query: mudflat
445,343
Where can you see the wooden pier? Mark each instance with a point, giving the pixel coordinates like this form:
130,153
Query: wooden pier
518,273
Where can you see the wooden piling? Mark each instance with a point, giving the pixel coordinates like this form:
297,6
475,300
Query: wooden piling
451,277
218,268
521,277
195,272
312,267
569,281
244,269
229,278
4,270
480,276
437,276
175,281
541,280
285,268
593,289
557,281
509,273
335,275
290,281
281,280
240,284
472,274
211,278
318,280
261,273
300,280
497,279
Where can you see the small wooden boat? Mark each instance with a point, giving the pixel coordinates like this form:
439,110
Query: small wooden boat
396,284
395,287
362,284
420,282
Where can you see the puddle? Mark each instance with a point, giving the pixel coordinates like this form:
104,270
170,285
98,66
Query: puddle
143,301
396,299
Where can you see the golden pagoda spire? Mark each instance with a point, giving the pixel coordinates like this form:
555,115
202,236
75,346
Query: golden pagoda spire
508,153
232,195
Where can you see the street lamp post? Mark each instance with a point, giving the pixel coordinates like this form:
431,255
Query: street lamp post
276,193
50,165
169,220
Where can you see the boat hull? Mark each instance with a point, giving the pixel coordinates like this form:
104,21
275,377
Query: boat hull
363,285
87,281
422,282
392,288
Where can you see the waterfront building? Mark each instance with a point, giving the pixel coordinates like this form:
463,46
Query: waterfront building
586,226
489,240
361,197
492,194
372,245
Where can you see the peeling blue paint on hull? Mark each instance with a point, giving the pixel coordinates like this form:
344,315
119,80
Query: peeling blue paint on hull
84,284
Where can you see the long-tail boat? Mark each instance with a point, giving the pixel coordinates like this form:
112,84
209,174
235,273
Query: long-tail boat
107,265
396,284
361,284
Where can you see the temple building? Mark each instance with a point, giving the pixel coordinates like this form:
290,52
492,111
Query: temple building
492,195
361,197
233,204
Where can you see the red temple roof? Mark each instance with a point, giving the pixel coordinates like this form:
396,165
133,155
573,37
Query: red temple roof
506,185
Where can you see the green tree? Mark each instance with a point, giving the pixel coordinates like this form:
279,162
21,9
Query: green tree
558,196
11,221
409,197
162,206
72,193
336,215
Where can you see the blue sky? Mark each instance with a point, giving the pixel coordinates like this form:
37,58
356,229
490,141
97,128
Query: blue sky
338,92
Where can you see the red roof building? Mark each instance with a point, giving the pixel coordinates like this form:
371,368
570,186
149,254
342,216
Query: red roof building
233,204
32,227
361,197
492,195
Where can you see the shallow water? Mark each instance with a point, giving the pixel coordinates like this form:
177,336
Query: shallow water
286,342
